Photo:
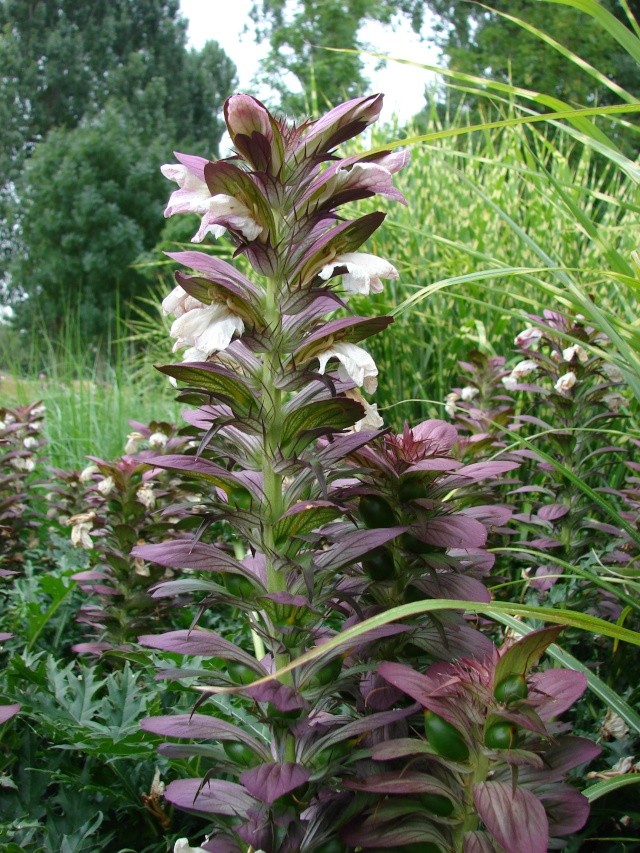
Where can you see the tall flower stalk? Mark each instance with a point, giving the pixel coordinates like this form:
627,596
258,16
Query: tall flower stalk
333,519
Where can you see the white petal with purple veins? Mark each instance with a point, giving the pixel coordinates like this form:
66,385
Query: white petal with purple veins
355,364
363,272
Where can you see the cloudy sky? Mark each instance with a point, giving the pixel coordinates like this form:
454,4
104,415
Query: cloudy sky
402,85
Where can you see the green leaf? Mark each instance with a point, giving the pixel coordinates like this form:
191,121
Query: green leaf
318,418
601,789
609,22
308,517
525,653
220,383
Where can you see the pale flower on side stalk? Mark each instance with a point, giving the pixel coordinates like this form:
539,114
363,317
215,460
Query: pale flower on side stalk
372,419
527,338
193,196
133,442
565,383
355,364
106,486
207,329
364,272
575,351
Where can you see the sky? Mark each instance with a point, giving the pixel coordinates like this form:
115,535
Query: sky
402,85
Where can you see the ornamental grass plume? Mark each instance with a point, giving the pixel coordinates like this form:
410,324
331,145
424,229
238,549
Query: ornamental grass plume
315,490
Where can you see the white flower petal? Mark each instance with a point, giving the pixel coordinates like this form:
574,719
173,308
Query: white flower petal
363,272
207,329
565,383
355,364
524,368
468,393
528,337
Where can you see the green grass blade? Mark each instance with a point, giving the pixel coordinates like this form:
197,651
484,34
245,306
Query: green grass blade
609,22
601,789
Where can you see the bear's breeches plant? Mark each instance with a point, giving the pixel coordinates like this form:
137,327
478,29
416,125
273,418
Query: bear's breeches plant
333,520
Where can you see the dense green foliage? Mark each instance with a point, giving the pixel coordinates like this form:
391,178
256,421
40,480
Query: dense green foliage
94,92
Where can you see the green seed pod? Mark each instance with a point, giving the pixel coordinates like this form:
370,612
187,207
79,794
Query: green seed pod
332,846
240,497
445,738
241,674
501,735
239,753
511,688
376,512
378,564
413,545
238,585
437,804
411,489
328,673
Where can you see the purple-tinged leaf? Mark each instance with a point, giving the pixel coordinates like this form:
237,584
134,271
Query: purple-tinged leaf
391,750
181,554
212,797
451,531
96,648
5,635
8,711
305,516
354,545
202,469
362,726
544,543
221,844
374,834
435,463
454,586
515,817
219,382
567,753
436,437
339,124
567,809
340,446
493,515
525,653
552,512
346,329
555,690
302,426
477,842
328,244
200,642
281,696
405,783
479,471
198,726
269,782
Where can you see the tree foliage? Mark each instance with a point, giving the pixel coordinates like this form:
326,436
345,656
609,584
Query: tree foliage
476,39
299,31
94,96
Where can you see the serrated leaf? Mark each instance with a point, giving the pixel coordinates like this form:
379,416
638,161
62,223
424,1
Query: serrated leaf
303,517
220,383
304,425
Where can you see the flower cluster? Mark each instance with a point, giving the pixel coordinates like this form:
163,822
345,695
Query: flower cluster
123,502
332,519
21,445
